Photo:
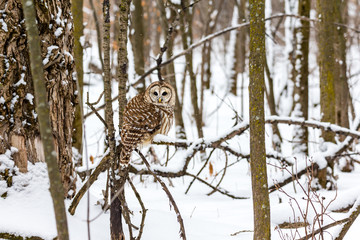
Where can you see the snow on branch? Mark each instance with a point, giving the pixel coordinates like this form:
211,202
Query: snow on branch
192,147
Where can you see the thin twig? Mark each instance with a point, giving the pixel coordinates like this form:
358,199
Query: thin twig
93,109
222,191
219,33
172,201
202,168
324,228
144,210
222,176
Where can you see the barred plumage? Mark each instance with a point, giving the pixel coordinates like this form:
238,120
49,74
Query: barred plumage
146,115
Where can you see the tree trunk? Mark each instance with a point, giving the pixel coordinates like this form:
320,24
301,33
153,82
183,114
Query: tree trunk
137,41
240,48
42,109
300,77
77,6
170,70
18,121
186,20
326,40
116,227
261,203
341,85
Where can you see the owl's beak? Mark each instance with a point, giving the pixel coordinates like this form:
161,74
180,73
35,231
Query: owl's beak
160,100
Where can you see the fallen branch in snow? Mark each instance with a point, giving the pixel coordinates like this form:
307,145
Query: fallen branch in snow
314,124
5,235
278,185
311,197
355,212
317,231
172,201
242,231
328,127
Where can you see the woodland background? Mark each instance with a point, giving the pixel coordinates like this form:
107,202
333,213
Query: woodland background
287,70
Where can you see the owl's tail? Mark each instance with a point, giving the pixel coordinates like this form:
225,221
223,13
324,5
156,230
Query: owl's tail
125,155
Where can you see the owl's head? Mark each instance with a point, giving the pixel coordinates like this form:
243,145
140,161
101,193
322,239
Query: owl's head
160,94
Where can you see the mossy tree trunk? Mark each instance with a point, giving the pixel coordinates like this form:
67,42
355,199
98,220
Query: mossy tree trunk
300,78
326,39
137,35
76,8
261,204
42,109
18,119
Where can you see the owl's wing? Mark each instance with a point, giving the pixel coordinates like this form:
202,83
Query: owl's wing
141,120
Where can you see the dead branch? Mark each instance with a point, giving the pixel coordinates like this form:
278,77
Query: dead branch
103,165
5,235
200,144
324,228
202,168
172,201
314,124
144,210
222,191
351,220
278,185
91,105
222,176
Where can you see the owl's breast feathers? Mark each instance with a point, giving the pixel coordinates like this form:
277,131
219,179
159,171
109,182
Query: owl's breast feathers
142,121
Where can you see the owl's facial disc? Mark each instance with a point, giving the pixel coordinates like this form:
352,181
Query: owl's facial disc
160,95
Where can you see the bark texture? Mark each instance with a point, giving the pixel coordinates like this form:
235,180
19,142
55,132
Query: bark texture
118,181
300,78
326,40
328,76
261,203
18,119
137,41
76,8
42,108
240,48
341,84
186,29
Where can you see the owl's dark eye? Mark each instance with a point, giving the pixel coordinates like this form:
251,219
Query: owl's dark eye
164,93
155,93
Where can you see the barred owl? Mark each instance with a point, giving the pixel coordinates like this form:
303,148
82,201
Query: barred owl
146,115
